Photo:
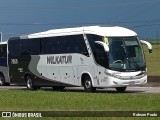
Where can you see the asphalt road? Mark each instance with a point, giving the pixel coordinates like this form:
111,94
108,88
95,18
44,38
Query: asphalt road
137,90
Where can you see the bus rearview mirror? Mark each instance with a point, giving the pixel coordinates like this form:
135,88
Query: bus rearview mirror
106,47
148,45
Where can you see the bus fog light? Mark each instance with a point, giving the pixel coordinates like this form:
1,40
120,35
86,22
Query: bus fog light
115,82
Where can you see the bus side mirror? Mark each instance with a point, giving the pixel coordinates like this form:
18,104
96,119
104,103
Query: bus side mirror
148,45
106,47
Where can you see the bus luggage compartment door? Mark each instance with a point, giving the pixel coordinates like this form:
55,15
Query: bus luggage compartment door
67,74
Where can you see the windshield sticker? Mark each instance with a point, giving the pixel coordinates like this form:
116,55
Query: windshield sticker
105,40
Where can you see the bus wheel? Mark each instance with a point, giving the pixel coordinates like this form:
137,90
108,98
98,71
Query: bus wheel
2,80
88,85
121,89
30,85
58,88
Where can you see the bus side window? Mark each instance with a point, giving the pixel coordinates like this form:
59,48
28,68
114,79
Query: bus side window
3,51
64,45
30,47
80,46
49,45
14,48
24,49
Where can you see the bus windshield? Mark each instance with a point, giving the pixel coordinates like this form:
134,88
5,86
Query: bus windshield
125,54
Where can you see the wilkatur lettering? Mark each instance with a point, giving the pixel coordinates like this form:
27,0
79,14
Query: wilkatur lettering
59,59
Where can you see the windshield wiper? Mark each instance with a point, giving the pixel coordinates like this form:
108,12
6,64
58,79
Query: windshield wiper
134,62
129,58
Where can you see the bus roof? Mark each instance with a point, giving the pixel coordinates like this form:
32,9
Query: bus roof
2,43
107,31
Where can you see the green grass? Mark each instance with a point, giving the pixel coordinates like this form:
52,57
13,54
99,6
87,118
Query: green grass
49,100
24,100
153,60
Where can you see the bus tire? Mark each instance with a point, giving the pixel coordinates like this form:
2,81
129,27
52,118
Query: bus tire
29,84
121,89
2,80
88,85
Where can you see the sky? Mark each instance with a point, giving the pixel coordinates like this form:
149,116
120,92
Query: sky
19,17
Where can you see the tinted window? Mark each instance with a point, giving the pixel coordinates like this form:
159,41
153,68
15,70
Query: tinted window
92,38
49,45
3,55
24,47
14,47
100,55
64,44
3,50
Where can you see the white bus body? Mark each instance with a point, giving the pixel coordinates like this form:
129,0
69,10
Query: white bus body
98,57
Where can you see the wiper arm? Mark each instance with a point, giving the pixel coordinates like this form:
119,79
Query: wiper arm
128,57
135,64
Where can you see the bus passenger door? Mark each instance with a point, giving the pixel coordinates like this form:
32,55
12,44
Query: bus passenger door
101,76
101,59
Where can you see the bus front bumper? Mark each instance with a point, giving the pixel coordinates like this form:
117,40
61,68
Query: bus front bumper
115,82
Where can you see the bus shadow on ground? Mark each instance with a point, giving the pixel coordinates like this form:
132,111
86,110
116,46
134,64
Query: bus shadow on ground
77,89
97,91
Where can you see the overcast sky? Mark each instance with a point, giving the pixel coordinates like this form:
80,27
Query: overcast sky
19,17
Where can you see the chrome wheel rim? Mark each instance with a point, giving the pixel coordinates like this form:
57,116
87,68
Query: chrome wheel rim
88,84
29,83
1,82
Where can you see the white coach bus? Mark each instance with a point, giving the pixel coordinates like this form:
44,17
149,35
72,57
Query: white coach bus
91,56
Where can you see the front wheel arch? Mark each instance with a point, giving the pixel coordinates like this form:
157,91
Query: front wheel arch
83,77
87,83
